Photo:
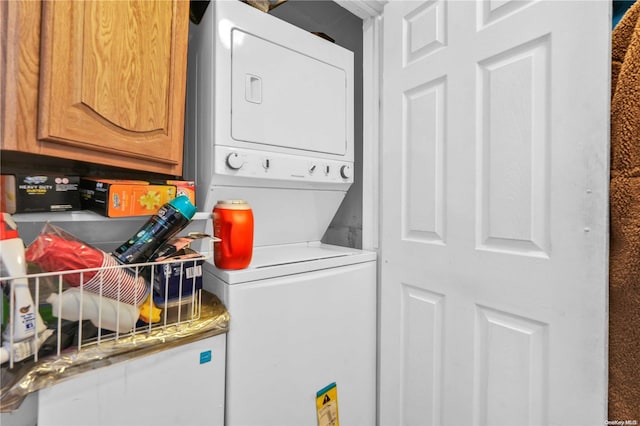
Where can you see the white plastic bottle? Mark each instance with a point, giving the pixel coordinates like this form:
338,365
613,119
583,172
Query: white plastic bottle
25,317
26,348
102,311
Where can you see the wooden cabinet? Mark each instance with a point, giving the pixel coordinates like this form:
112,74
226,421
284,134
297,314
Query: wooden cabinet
96,81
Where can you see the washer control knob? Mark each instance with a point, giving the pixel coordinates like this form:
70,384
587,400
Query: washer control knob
345,172
312,168
266,163
234,161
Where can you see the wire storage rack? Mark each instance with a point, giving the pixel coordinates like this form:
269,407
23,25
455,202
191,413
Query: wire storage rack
82,308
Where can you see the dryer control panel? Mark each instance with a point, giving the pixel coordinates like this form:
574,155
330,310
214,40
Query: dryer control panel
251,163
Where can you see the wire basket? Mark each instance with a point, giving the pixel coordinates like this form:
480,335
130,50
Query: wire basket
102,304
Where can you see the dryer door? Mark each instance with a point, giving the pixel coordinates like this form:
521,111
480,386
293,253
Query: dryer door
284,98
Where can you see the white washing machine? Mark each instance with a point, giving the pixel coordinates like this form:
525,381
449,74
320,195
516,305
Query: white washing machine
270,120
302,317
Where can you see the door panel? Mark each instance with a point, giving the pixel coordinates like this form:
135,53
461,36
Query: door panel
112,81
512,144
494,213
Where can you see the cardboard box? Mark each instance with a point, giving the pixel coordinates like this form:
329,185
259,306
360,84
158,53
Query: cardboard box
184,187
120,198
264,5
22,193
168,276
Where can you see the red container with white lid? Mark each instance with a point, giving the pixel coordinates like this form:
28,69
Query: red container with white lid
233,224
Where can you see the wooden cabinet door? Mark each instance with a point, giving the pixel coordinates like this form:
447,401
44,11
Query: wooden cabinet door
112,81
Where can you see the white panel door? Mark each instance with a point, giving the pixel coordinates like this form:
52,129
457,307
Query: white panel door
494,213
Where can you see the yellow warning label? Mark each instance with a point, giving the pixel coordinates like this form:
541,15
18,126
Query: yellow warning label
327,406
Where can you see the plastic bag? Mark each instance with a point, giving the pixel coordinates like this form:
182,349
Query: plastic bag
56,250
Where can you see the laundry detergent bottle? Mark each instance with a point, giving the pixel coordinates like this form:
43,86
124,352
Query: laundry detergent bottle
233,224
170,219
26,319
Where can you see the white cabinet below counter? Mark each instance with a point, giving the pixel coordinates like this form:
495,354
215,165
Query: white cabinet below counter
184,385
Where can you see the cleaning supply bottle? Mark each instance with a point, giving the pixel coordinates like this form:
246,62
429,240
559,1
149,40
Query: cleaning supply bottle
103,312
24,318
170,219
233,224
24,349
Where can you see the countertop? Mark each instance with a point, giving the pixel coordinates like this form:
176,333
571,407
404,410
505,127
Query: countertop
29,376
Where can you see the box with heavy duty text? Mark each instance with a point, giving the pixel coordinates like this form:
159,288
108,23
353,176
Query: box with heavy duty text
25,193
120,198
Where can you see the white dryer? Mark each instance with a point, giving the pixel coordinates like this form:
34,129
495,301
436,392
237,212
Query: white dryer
269,116
270,121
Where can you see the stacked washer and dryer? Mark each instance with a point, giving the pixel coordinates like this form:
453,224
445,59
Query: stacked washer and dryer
270,120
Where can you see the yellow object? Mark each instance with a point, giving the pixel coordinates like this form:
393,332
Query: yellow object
184,187
149,312
327,406
150,200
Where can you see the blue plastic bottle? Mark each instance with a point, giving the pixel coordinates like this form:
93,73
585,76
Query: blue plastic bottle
170,219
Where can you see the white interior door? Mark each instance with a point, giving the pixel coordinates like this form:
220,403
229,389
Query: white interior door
494,225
